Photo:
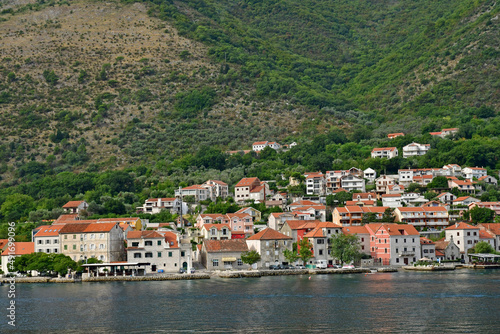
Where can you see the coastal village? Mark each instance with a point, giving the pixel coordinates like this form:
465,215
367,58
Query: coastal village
395,224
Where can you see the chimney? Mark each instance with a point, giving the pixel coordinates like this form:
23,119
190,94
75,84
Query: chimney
456,225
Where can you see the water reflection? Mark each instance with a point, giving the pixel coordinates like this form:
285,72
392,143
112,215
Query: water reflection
378,303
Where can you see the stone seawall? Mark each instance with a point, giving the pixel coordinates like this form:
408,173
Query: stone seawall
260,273
167,277
39,280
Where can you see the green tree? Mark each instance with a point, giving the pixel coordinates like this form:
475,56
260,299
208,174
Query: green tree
388,216
16,207
438,182
483,247
291,255
250,257
369,217
305,252
345,247
482,215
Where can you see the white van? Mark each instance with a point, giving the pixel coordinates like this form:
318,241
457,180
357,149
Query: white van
321,264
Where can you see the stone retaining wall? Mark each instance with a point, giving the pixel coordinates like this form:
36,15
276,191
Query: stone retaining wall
167,277
38,280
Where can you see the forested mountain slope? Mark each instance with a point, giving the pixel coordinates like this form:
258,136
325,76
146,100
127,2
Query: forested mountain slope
90,85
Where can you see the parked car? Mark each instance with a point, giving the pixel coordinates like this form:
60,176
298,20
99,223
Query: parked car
300,266
181,271
290,266
334,266
273,267
321,264
192,270
348,266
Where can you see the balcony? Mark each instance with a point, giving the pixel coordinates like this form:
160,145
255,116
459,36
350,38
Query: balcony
407,253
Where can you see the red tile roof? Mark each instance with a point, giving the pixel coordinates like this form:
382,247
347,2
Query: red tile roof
144,235
48,230
245,182
492,227
426,241
171,239
461,226
72,204
20,248
87,228
269,234
355,230
376,149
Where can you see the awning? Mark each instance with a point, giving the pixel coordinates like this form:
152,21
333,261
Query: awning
228,259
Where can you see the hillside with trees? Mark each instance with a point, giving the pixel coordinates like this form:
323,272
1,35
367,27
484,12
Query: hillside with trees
139,97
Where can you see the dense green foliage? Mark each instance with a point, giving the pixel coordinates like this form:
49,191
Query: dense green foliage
44,263
250,257
345,247
346,73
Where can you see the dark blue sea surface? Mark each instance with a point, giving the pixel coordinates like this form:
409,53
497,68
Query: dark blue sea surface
462,301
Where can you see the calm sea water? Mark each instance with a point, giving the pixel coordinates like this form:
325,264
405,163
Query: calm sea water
454,302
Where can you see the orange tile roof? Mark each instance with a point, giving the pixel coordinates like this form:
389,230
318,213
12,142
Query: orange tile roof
171,239
144,235
426,241
354,230
303,203
461,226
20,248
269,234
48,230
62,218
118,220
194,187
72,204
485,235
87,228
231,245
3,243
245,182
260,143
298,224
492,227
376,149
168,199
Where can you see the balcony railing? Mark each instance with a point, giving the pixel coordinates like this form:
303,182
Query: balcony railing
407,253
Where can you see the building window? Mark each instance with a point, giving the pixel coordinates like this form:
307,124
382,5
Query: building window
56,241
39,242
135,244
55,250
320,252
385,250
148,243
183,253
101,236
137,255
101,246
148,254
65,247
159,243
215,262
159,254
267,252
397,260
65,237
240,263
227,263
74,247
74,236
169,254
320,241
